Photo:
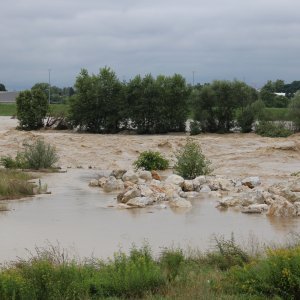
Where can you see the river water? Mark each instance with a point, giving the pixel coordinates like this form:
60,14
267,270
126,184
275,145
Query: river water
80,219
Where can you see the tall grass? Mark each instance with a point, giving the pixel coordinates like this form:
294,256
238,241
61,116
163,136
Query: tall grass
15,184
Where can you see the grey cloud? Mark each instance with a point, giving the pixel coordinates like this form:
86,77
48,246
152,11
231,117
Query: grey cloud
253,40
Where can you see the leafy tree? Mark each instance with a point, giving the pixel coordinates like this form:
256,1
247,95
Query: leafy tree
32,107
2,87
191,162
269,97
98,104
294,110
216,104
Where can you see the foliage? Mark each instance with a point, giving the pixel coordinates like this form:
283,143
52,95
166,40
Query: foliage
276,275
170,262
228,254
2,87
15,184
40,155
195,128
157,105
191,162
98,105
129,276
215,105
246,119
151,160
294,110
272,129
32,107
18,163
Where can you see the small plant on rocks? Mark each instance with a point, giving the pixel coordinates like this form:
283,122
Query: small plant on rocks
151,160
191,162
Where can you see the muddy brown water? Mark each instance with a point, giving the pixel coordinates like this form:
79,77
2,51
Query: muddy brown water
78,218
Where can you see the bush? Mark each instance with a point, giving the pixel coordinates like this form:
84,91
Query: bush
294,110
271,129
40,155
32,107
276,275
18,163
195,128
246,119
42,277
151,160
191,162
170,262
227,254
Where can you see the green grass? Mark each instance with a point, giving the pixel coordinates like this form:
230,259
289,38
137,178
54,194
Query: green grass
51,274
14,184
8,109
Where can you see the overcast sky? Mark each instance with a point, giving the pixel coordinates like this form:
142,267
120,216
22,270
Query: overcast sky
251,40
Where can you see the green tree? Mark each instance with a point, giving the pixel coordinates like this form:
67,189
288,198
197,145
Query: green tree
2,87
32,107
294,110
98,105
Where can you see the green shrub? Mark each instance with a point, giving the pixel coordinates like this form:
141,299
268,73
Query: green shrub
40,155
151,160
32,107
246,119
170,262
191,162
294,110
227,254
276,275
195,128
43,277
18,163
271,129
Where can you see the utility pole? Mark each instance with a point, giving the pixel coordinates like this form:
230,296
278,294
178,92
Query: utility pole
193,78
49,100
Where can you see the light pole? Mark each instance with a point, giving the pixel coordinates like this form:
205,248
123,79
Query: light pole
193,78
49,71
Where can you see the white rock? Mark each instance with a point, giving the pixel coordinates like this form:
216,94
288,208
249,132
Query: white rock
251,182
130,194
188,186
112,184
189,194
180,203
176,180
205,189
225,184
118,173
145,190
199,181
94,182
139,202
102,181
255,208
282,209
146,175
130,176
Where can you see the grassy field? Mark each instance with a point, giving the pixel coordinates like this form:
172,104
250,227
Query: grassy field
227,273
11,109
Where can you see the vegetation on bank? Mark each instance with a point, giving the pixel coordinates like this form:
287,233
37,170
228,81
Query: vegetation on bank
37,155
14,184
228,272
101,103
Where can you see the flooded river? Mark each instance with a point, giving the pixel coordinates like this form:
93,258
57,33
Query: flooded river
79,218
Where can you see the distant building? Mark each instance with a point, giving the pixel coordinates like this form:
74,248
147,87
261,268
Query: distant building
8,97
280,94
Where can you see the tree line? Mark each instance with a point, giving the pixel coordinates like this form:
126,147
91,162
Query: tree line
101,103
